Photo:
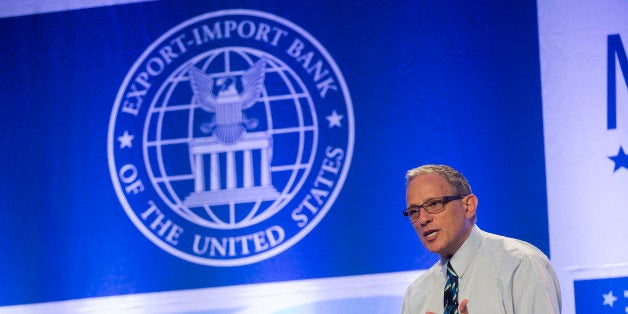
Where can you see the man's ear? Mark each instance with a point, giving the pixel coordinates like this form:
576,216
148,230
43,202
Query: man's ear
470,203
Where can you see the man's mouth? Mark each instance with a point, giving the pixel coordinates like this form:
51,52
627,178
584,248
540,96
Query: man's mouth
430,235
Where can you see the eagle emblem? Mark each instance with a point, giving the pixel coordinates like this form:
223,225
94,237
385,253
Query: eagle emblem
221,96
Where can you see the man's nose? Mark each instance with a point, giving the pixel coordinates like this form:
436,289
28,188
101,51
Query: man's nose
424,218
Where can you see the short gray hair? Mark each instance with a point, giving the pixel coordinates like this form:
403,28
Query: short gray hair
456,180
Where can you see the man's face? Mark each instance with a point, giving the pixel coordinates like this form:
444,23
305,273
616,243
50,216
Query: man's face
444,232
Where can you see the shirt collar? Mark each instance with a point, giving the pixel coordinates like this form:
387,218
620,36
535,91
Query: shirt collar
465,254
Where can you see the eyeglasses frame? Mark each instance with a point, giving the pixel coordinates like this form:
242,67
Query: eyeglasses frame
444,199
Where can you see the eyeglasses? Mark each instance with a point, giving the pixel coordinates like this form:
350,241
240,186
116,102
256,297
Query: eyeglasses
431,206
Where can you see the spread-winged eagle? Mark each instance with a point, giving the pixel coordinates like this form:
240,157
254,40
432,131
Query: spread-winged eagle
229,123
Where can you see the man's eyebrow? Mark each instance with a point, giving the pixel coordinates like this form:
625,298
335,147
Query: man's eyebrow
427,200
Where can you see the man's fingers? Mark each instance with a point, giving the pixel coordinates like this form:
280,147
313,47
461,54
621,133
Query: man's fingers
463,307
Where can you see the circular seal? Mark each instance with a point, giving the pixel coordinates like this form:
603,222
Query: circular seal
230,137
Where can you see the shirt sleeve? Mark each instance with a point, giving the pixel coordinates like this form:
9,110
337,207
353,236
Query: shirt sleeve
535,287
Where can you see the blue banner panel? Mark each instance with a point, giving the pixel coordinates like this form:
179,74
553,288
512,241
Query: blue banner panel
608,295
173,145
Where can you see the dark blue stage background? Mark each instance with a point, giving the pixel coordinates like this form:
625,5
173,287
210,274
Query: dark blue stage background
429,82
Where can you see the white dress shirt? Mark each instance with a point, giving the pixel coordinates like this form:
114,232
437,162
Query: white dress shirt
495,273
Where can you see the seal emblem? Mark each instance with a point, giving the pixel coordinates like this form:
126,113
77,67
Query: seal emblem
230,137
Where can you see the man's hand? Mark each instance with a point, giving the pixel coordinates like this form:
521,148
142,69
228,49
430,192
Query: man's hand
462,309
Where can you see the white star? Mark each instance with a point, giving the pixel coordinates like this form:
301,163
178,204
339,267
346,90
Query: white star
609,298
125,140
334,119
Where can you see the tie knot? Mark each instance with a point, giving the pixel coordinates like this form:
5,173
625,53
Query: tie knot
450,271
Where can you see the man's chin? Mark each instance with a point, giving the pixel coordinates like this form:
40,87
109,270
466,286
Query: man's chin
431,247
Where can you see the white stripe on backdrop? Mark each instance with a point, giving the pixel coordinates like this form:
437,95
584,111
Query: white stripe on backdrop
10,8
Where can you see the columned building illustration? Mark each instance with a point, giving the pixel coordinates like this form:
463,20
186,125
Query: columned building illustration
226,184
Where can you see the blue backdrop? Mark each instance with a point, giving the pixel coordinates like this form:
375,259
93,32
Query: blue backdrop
430,82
